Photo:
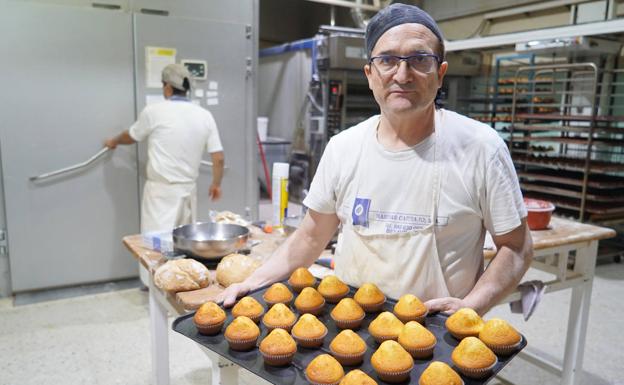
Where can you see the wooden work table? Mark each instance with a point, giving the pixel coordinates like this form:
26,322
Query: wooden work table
567,250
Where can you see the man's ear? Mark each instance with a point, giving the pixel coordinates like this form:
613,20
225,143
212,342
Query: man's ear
368,73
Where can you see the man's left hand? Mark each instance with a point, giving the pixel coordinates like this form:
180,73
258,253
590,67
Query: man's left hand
214,192
448,305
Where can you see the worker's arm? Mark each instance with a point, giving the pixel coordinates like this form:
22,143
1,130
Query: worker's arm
217,174
301,249
123,138
515,252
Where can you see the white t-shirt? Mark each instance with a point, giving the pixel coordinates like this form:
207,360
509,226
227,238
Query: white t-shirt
178,132
479,189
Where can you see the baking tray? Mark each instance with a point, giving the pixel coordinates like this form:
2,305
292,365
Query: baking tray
294,373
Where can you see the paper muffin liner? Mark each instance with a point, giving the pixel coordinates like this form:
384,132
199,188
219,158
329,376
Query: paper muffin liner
348,359
315,310
335,298
299,288
348,324
242,344
210,330
309,342
421,353
460,336
321,383
420,319
381,338
504,350
255,319
372,308
277,359
476,373
285,327
394,376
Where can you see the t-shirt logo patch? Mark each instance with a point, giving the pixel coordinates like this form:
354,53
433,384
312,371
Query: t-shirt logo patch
360,211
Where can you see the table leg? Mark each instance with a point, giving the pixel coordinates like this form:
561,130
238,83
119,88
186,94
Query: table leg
224,371
160,337
585,263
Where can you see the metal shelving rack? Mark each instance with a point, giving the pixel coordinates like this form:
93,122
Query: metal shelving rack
566,142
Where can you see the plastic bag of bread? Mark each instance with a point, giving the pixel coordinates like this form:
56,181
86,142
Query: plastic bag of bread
182,275
235,268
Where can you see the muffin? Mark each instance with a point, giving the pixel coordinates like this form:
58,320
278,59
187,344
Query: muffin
410,308
439,373
248,307
473,358
310,301
324,370
277,293
500,336
209,318
464,323
370,298
385,327
333,289
357,377
300,279
417,340
348,314
309,331
391,362
279,316
278,348
242,333
348,348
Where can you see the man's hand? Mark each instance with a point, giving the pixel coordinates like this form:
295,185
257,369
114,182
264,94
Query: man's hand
448,305
232,292
214,192
111,143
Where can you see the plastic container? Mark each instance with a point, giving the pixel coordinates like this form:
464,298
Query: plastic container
280,193
161,241
539,213
263,128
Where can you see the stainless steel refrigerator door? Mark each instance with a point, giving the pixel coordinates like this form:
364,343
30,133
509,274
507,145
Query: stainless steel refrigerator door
225,47
67,78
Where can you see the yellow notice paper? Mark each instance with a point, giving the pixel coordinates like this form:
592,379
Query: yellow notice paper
157,58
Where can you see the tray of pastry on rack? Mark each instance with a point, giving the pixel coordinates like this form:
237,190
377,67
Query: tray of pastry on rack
303,331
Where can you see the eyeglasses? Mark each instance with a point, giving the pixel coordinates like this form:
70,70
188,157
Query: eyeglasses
422,62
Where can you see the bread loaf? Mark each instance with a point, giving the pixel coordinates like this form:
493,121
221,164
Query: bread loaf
235,268
182,275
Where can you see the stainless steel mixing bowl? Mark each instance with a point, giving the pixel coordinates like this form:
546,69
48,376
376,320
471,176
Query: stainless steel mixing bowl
209,240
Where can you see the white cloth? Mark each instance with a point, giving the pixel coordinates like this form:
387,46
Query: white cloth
479,190
531,292
177,134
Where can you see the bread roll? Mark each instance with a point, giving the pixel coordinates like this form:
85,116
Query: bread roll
235,268
182,275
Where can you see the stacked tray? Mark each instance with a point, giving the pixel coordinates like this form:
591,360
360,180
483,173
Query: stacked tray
294,374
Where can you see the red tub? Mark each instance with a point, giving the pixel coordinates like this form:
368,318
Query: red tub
539,213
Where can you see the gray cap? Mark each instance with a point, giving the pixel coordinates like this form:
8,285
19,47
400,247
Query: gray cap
397,14
174,75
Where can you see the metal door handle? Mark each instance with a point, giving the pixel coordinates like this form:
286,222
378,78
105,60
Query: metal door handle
209,163
71,168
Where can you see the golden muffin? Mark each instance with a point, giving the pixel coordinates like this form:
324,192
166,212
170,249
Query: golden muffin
309,331
391,362
439,373
277,293
417,340
324,370
348,314
333,289
348,347
300,279
248,307
500,336
410,308
242,333
473,358
385,327
310,301
465,322
279,316
357,377
209,318
369,297
278,348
